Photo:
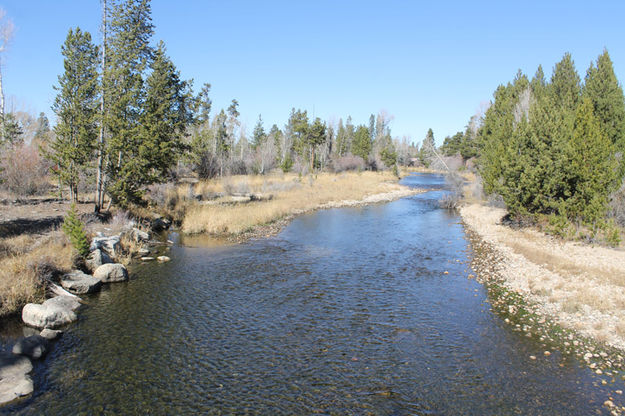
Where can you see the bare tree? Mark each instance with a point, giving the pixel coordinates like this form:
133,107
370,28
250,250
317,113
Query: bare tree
6,33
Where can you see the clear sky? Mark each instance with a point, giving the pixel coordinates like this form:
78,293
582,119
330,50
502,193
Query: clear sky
428,64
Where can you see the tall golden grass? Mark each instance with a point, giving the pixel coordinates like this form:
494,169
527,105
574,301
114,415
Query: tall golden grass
290,193
21,261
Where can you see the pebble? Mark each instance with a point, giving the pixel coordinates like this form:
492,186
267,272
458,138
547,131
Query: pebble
147,258
532,357
618,391
163,258
547,353
599,371
608,403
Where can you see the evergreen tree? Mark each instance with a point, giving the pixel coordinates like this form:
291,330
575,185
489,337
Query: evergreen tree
592,172
74,229
427,148
606,95
316,135
128,56
258,135
341,139
362,144
76,109
451,144
11,130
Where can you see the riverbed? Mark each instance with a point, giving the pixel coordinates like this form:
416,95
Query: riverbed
364,310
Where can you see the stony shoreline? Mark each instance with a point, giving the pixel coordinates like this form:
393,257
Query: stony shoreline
517,284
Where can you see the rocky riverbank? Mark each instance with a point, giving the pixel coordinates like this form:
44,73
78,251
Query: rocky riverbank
567,296
102,266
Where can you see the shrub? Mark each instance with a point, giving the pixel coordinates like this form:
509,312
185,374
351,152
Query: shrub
347,163
207,166
75,231
163,195
23,171
287,164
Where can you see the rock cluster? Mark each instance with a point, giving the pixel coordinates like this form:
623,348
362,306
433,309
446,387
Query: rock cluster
15,366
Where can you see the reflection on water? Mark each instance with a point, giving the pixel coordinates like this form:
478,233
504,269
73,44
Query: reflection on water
347,311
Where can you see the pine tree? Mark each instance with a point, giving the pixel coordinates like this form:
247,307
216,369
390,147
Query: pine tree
74,229
76,109
592,170
606,95
427,148
362,145
316,135
258,135
128,56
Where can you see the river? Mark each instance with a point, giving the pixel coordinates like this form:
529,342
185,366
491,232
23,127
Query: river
365,310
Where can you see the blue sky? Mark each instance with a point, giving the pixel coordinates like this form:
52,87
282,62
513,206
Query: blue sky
428,64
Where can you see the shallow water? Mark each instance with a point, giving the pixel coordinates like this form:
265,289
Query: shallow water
347,311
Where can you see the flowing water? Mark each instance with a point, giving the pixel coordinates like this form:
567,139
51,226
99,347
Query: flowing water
347,311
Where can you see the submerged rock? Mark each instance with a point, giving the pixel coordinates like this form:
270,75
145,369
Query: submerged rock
50,334
96,259
14,379
34,347
112,272
52,313
80,283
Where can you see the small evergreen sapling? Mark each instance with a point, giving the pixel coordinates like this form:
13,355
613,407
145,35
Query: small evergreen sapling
74,229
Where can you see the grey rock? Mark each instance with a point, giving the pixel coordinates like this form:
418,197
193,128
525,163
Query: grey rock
143,252
147,258
34,347
80,283
14,379
163,259
139,236
51,334
52,313
96,259
110,245
66,302
112,272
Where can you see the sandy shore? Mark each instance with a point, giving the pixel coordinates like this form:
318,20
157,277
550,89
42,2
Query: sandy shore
581,287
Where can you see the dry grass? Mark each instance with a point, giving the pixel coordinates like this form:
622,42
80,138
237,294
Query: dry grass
24,261
582,285
291,194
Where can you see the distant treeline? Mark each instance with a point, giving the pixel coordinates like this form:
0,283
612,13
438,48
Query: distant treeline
126,119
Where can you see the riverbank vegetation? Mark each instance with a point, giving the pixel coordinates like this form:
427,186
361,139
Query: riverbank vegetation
551,151
277,196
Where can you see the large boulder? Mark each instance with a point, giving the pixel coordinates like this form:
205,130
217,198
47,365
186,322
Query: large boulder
96,259
34,347
52,313
80,283
66,302
110,245
14,379
112,272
